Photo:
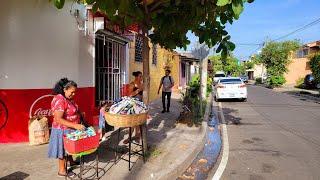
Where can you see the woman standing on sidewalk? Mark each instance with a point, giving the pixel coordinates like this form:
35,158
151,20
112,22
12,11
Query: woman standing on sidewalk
66,119
136,89
136,86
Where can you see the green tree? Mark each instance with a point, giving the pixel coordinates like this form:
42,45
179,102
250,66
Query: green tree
170,20
248,64
231,65
276,57
315,66
216,63
227,64
242,68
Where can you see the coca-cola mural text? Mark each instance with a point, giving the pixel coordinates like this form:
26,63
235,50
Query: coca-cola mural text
42,107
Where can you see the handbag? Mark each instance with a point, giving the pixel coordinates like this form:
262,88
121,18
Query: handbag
82,119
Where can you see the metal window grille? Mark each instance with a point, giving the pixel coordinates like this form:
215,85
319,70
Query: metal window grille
138,48
154,54
109,68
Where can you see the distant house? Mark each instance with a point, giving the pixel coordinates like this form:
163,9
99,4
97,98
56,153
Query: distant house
189,66
299,66
258,71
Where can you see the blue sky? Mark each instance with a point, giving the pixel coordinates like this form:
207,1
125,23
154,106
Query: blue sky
270,19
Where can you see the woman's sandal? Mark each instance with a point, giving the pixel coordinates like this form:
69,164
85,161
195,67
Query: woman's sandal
70,174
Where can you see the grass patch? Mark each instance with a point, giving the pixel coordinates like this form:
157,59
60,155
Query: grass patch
300,83
153,152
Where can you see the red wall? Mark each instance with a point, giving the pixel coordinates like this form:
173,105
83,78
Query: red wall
19,102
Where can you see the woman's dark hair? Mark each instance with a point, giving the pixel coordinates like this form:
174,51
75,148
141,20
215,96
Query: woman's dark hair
168,70
63,83
137,73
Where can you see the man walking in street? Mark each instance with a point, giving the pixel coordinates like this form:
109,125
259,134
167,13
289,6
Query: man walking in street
166,83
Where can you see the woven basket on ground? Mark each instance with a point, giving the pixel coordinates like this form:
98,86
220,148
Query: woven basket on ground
130,120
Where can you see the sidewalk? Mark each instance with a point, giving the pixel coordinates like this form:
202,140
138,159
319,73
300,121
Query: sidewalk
173,147
304,94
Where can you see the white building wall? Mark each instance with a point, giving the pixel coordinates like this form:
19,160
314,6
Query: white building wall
259,71
40,44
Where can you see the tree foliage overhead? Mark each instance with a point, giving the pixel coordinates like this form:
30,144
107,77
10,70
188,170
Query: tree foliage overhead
170,20
276,57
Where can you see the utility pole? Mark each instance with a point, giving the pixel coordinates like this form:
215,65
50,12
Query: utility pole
201,52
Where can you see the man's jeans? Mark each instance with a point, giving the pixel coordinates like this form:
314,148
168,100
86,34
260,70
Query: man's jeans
164,94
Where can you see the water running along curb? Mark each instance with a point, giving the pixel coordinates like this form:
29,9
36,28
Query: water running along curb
206,159
225,151
175,173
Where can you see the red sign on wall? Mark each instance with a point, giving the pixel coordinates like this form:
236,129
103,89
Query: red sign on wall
21,104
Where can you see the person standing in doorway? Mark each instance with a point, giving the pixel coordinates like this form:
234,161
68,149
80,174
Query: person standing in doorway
166,83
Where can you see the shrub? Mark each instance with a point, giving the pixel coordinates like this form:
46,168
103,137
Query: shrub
192,99
259,80
299,83
194,85
209,86
315,67
276,81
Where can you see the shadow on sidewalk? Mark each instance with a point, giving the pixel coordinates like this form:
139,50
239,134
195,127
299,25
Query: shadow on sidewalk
161,123
157,129
15,175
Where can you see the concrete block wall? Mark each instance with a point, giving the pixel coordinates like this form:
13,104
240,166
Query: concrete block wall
298,68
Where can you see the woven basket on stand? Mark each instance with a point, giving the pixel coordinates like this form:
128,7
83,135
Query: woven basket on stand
130,120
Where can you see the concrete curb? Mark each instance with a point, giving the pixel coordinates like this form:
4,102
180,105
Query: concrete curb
298,93
309,97
179,170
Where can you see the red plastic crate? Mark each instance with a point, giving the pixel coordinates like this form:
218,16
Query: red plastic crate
81,145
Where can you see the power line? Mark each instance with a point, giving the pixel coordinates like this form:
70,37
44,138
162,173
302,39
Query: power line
255,50
293,32
316,21
247,44
300,29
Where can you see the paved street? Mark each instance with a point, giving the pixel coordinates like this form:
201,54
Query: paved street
277,137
